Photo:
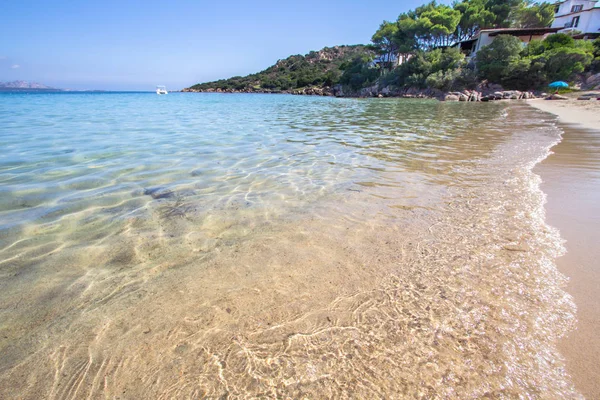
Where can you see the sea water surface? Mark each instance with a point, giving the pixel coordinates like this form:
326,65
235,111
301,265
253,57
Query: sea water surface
252,246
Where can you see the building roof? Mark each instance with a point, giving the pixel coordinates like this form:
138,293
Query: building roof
564,1
521,31
588,35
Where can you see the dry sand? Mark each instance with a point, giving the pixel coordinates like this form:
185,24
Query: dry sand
585,113
572,182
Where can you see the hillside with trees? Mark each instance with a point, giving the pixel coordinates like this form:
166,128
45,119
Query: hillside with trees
317,69
418,51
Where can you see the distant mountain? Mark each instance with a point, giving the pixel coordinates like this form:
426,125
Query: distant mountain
24,85
313,73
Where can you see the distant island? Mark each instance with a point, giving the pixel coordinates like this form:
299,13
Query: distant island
471,50
24,85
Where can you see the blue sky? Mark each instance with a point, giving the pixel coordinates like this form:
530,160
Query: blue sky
135,45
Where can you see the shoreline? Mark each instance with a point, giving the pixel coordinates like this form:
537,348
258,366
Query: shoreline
481,94
570,177
583,113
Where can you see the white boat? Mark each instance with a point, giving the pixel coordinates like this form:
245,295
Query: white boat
161,90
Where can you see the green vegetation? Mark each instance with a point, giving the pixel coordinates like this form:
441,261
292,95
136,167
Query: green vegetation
415,51
423,36
595,67
558,57
317,68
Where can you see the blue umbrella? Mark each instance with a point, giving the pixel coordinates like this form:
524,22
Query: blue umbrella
559,84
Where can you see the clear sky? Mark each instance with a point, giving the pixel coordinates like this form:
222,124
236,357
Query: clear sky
136,45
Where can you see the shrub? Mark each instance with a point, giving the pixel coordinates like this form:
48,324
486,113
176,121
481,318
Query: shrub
494,61
359,73
558,40
562,63
443,80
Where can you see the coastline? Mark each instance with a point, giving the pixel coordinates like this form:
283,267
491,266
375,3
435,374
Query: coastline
570,178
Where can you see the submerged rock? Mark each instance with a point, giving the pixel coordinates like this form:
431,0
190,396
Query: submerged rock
159,193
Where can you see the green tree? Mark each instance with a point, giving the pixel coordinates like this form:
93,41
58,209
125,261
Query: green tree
358,73
436,24
533,15
443,66
562,63
533,48
439,23
384,41
596,45
474,16
503,9
558,40
595,66
494,62
405,38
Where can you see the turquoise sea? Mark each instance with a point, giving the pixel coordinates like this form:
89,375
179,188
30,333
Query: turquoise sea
278,246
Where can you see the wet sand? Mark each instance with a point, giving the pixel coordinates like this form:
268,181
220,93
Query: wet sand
571,178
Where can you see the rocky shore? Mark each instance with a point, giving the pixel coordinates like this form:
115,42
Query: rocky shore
483,92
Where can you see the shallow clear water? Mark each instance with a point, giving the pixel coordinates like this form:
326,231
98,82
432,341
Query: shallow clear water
277,246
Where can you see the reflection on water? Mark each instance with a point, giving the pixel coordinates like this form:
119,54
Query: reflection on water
275,246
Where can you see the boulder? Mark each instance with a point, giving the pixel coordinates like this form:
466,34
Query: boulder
593,81
338,91
512,94
370,91
451,97
386,91
556,97
487,88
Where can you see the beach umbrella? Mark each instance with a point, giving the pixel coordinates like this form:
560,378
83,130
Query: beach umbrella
559,84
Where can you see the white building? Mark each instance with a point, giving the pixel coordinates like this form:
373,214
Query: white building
579,16
486,36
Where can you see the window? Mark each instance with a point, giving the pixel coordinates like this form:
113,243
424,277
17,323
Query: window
577,8
575,22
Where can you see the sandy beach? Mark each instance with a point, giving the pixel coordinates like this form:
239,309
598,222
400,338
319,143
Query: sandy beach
584,113
570,179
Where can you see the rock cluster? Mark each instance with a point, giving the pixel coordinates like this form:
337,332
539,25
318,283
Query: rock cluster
508,95
589,96
465,95
388,91
484,92
314,91
593,82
